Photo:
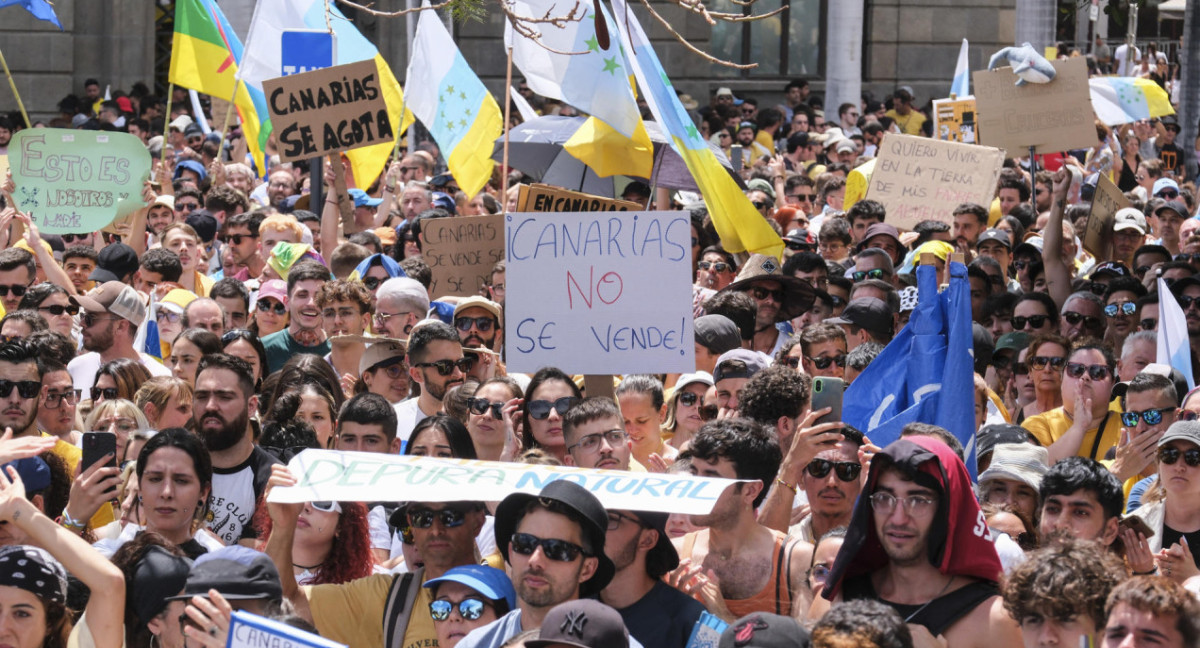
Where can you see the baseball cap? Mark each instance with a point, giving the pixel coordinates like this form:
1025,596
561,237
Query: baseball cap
181,123
724,92
1164,183
800,236
1129,218
1176,206
275,288
702,377
476,301
1023,462
1181,430
846,146
998,235
1012,341
33,471
1114,268
237,572
204,223
193,130
758,184
717,333
753,361
582,623
158,575
361,199
764,630
865,312
116,298
381,351
492,583
115,262
990,436
445,201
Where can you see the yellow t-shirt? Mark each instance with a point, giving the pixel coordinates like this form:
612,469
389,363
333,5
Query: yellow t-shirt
72,455
909,124
764,138
352,613
1049,427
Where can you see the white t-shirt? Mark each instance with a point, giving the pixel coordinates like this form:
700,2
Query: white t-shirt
83,369
408,414
1124,64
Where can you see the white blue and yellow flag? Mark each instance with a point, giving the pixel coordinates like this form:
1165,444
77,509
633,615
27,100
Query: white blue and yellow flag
741,227
1124,100
446,95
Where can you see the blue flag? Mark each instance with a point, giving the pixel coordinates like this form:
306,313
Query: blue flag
39,8
926,373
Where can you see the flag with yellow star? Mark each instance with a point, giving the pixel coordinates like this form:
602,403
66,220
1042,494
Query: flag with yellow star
446,95
566,62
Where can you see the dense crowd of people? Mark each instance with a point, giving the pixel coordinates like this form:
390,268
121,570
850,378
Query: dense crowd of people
157,376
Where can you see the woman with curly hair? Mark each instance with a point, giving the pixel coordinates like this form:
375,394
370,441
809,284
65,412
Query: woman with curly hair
332,544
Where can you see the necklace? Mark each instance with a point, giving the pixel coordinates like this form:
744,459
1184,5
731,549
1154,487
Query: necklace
936,597
312,567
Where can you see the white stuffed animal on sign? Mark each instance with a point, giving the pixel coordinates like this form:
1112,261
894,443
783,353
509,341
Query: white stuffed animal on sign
1026,63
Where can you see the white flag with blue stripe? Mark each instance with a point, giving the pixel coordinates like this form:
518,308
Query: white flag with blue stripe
1174,348
961,87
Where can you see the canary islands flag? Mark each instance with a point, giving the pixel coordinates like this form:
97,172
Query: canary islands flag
1124,100
445,94
741,227
205,54
263,61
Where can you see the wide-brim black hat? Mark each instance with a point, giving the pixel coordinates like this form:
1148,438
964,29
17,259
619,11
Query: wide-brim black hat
574,497
798,296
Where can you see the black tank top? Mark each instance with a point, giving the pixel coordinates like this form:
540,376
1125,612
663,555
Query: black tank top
937,615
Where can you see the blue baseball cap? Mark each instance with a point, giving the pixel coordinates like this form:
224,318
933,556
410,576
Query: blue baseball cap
33,471
488,581
361,199
445,201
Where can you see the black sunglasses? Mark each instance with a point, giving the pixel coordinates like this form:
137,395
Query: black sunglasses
71,238
484,324
56,309
687,398
449,517
846,471
109,393
372,282
446,367
824,362
1170,455
1074,319
1148,324
876,273
1020,369
469,609
1037,363
25,388
480,406
557,550
266,307
1038,321
236,239
540,409
17,290
1097,372
1186,301
762,293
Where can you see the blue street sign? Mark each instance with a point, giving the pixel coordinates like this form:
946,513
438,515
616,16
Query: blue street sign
305,50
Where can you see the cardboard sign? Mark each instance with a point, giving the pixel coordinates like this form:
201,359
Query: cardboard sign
954,120
925,179
545,198
461,252
1107,201
599,292
77,181
1051,117
370,477
328,111
248,630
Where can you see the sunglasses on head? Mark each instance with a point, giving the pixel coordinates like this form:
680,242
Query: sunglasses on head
557,550
876,273
109,393
1096,372
25,388
1150,416
1074,319
846,471
464,324
326,506
1037,363
540,409
1124,308
266,307
449,517
446,367
480,406
16,289
1037,321
1169,455
824,362
57,309
469,609
761,293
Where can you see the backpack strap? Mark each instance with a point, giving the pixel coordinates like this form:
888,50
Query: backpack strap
401,596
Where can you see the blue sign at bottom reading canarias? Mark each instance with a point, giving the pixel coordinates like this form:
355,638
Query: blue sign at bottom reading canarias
77,181
599,292
252,631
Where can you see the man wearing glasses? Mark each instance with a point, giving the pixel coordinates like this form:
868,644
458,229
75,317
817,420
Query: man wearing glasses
304,332
831,482
17,270
21,388
111,315
400,303
241,237
436,362
595,435
1150,408
921,546
479,322
554,544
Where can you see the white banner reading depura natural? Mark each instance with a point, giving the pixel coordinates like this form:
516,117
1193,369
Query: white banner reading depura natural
372,477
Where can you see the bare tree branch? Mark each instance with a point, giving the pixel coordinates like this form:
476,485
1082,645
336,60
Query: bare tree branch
392,14
686,43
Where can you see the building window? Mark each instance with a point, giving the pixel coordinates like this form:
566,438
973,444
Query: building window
788,44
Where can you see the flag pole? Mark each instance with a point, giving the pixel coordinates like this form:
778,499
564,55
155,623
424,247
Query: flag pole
399,131
225,126
167,124
16,94
507,121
